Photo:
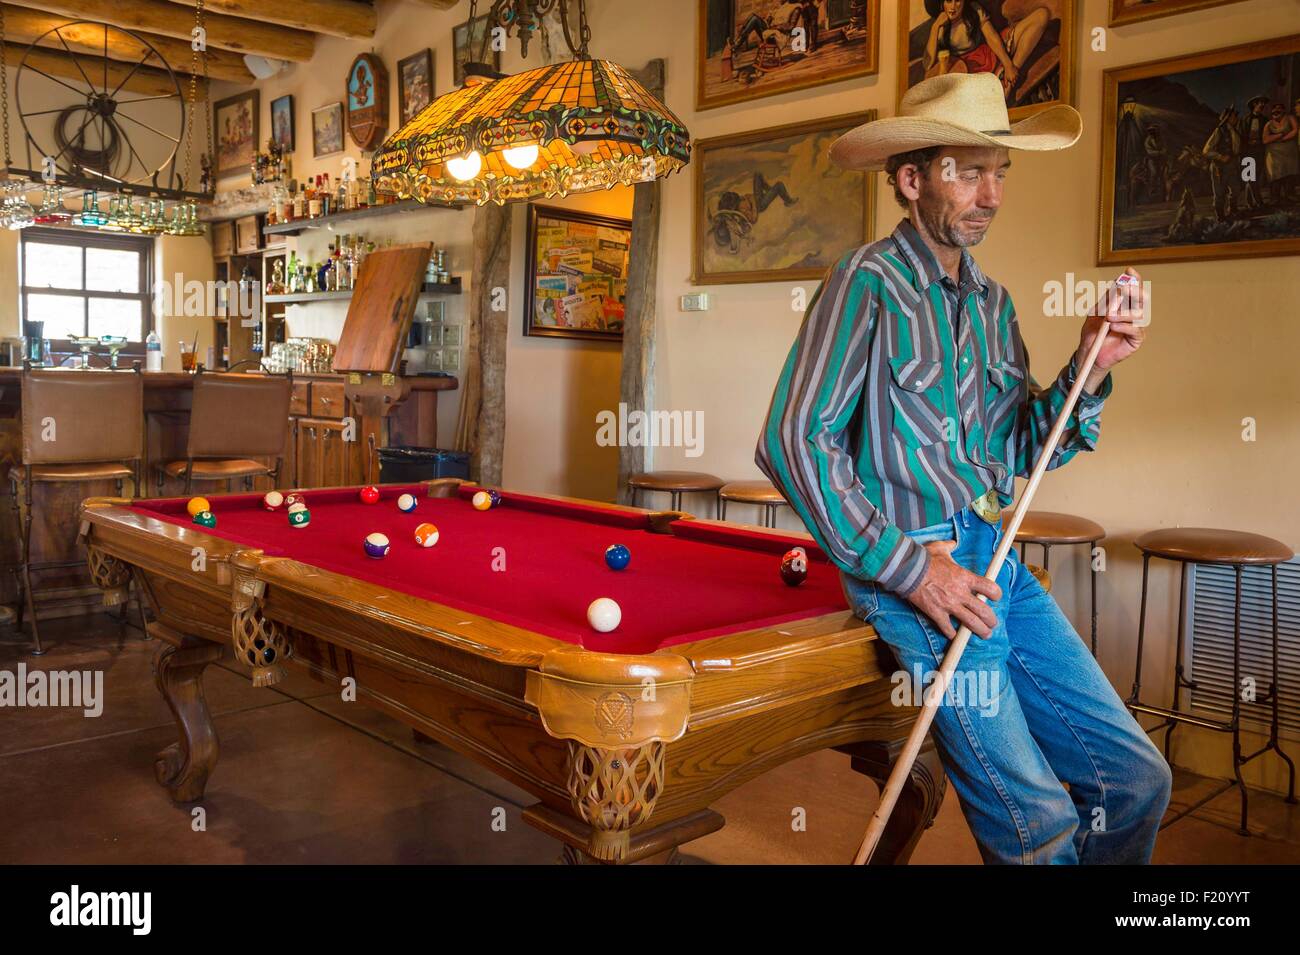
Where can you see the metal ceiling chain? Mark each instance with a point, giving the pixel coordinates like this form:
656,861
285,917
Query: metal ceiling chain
4,86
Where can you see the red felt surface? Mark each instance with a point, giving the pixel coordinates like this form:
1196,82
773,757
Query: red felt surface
696,583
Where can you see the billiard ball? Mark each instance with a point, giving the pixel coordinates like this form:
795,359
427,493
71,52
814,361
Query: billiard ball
291,499
197,505
205,519
604,614
426,535
297,506
407,503
481,500
495,498
273,500
300,517
617,556
794,567
369,494
376,545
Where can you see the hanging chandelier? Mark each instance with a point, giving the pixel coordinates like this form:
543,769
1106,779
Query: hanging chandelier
571,127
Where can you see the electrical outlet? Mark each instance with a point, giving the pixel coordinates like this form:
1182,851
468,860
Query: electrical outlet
695,302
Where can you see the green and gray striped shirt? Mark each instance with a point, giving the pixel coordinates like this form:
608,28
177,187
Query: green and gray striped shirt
905,396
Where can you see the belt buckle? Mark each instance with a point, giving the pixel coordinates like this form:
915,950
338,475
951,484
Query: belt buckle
988,507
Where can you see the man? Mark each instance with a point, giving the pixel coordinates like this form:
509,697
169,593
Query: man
899,424
1221,150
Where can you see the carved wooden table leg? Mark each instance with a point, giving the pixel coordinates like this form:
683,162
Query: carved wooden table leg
183,767
919,802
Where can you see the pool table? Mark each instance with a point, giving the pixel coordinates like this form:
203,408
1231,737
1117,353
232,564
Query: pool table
718,671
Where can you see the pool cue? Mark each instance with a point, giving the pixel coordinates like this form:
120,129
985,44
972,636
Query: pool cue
903,766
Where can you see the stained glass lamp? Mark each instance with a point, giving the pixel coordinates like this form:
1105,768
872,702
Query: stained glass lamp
551,131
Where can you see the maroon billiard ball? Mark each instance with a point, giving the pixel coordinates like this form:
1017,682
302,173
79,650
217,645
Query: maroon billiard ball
794,567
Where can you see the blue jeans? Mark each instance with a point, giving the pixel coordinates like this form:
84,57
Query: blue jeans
1028,710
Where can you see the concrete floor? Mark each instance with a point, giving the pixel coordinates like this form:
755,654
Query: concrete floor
306,778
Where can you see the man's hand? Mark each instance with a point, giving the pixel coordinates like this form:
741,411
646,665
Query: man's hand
1125,310
950,590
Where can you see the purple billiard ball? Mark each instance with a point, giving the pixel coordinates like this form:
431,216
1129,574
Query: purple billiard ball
376,545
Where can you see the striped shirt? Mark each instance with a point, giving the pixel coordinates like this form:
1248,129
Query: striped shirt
905,396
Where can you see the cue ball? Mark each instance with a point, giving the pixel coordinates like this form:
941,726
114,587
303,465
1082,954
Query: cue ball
481,500
604,614
299,517
426,535
205,519
794,566
197,505
273,500
407,503
369,494
376,545
617,556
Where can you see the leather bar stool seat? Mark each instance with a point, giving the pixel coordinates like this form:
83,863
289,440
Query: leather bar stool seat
1207,545
675,484
88,471
1239,550
759,493
222,470
1050,528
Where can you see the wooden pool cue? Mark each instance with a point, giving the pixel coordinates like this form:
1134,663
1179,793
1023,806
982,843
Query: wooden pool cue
903,767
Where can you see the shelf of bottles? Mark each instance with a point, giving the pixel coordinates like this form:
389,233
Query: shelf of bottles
297,280
104,212
318,203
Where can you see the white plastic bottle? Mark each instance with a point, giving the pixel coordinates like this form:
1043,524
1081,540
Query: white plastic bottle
153,355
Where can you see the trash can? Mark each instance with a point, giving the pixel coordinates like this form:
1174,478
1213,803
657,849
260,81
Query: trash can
401,465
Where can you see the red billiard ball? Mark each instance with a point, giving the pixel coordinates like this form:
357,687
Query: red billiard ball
291,499
370,494
794,567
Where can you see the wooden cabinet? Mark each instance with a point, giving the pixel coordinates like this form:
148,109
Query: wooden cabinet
223,239
322,455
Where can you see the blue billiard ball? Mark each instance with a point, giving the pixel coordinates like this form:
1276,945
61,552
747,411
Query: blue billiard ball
407,503
495,498
376,545
617,556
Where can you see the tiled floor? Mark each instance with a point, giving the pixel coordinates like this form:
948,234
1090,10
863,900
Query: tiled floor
305,777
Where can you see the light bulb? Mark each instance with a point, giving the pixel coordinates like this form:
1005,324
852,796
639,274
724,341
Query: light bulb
521,157
464,168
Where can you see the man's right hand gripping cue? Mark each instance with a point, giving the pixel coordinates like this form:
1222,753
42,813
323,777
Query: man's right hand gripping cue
950,590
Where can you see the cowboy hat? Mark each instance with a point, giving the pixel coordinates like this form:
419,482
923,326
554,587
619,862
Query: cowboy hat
956,109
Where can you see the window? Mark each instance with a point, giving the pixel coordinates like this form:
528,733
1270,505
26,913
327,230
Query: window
88,283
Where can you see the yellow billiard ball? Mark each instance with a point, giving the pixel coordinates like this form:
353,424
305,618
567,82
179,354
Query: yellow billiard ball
198,505
481,501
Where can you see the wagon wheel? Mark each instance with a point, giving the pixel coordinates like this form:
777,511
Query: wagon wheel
86,122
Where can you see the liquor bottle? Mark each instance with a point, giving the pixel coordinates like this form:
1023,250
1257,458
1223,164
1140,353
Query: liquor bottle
293,273
313,200
299,201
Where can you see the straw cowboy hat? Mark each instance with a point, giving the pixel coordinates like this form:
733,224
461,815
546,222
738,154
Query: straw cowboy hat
956,109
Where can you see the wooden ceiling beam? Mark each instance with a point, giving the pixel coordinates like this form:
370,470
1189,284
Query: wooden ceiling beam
167,19
34,26
351,19
146,80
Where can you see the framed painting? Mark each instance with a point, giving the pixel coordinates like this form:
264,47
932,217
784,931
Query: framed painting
576,274
282,122
1027,44
770,206
467,44
748,49
1200,156
1134,11
327,130
236,130
414,84
367,101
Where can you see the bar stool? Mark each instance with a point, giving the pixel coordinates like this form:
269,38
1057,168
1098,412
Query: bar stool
1047,528
1235,549
760,493
676,483
77,426
233,419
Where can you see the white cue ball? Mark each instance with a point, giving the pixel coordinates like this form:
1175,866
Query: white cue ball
604,614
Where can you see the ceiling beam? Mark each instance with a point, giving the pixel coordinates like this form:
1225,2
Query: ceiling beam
146,80
351,19
168,19
33,26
